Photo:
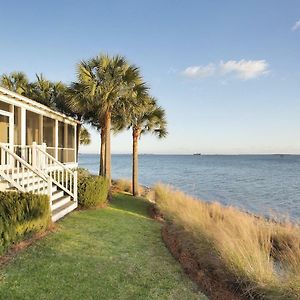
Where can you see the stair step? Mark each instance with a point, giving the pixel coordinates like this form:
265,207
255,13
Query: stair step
63,210
57,194
60,202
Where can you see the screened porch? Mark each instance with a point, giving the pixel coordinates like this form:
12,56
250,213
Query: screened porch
23,125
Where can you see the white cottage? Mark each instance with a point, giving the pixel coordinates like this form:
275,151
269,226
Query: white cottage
38,151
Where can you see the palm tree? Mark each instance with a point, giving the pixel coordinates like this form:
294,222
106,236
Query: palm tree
104,82
142,116
80,102
46,92
84,136
150,119
16,82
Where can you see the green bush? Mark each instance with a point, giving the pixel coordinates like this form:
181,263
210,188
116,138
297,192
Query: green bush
92,190
21,214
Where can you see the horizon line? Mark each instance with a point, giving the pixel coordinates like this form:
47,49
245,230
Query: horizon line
194,154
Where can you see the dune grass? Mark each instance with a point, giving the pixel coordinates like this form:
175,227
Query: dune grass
125,185
111,253
260,257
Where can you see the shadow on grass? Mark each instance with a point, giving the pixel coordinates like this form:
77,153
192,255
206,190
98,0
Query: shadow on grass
133,205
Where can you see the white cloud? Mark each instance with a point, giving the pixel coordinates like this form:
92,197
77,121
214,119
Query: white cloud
199,71
296,26
245,69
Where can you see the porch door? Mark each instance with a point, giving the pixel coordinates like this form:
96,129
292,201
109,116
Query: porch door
6,134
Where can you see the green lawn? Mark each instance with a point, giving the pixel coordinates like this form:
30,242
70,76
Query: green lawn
111,253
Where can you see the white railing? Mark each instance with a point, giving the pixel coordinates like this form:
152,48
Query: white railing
24,152
63,154
21,174
18,167
61,175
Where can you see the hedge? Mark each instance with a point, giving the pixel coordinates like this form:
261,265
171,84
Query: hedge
92,190
21,215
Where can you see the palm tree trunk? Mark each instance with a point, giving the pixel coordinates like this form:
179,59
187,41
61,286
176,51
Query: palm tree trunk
135,163
102,153
107,147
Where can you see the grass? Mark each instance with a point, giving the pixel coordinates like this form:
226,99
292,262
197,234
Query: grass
261,257
112,253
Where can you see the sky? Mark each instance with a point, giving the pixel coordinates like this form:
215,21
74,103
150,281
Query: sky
227,72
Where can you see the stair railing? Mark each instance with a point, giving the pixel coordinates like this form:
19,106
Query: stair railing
61,175
21,174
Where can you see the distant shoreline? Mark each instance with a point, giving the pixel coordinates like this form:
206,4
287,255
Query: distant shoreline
202,154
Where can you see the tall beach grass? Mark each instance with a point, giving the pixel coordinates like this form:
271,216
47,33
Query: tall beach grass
260,257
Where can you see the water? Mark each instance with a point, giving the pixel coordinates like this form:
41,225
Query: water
262,184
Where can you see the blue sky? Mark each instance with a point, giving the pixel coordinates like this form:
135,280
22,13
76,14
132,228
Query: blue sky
227,72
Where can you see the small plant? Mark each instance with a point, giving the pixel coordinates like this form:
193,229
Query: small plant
92,190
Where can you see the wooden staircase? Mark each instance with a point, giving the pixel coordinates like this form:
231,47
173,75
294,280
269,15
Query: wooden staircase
43,175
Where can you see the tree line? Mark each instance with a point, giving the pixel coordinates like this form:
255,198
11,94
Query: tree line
110,94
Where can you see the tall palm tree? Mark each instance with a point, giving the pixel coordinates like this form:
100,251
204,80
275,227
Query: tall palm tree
142,116
105,82
153,120
85,104
16,82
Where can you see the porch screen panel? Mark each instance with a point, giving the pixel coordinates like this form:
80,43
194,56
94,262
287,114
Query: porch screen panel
32,128
4,135
17,125
49,134
4,129
70,144
61,138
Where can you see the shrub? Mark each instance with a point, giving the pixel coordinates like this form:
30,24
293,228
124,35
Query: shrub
21,215
92,190
261,255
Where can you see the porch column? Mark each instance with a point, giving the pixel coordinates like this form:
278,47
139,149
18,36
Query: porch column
75,143
56,139
23,127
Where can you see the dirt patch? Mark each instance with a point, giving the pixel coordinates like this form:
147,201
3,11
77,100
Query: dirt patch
21,246
155,214
204,271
